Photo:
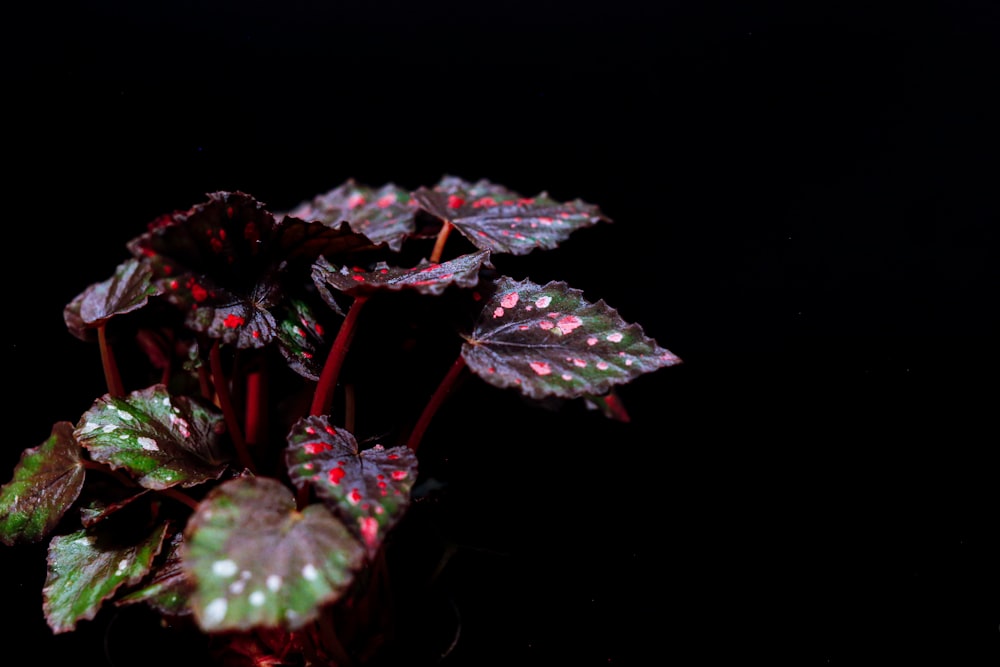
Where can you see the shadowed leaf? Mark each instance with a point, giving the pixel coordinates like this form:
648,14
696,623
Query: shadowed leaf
168,589
128,289
47,481
301,337
548,341
369,490
311,557
425,277
159,439
85,569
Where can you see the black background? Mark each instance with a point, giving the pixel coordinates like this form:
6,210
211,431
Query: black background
804,202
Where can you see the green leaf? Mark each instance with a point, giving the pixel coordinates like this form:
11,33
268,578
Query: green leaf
494,218
168,588
159,439
382,214
369,490
47,481
547,340
258,562
425,277
301,337
85,568
127,290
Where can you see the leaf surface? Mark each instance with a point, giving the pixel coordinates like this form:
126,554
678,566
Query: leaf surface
258,562
159,439
368,489
47,481
547,340
425,277
495,218
85,568
127,290
168,588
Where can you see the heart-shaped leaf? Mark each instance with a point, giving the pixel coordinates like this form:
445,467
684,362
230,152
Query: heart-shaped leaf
369,490
548,340
425,277
47,481
161,440
494,218
311,557
382,214
168,588
128,289
85,568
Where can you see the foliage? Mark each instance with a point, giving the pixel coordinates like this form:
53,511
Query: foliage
229,489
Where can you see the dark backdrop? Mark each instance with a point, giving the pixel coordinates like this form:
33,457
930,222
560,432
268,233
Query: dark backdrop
805,209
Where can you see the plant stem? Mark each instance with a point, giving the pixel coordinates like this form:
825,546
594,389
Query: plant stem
449,382
111,374
225,402
323,398
440,242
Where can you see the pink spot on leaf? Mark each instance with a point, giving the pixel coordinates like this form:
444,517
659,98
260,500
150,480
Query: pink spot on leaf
570,322
316,447
498,312
615,337
399,475
335,475
232,321
543,301
509,300
540,367
546,324
454,201
369,530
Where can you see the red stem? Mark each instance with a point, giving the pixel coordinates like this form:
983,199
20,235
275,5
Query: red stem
440,242
256,406
111,374
448,383
323,398
225,402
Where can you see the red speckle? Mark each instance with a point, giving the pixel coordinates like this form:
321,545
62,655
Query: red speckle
383,271
580,363
523,201
491,369
369,530
399,475
540,367
358,278
546,324
454,201
509,300
546,220
198,292
300,332
568,323
386,201
476,296
319,329
174,284
498,312
393,457
354,496
484,201
229,212
332,431
255,333
355,201
250,232
381,485
316,447
335,475
216,245
232,321
310,430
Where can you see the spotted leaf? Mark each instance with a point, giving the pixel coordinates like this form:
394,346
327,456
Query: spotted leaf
548,341
127,290
159,439
369,490
168,587
256,561
47,481
225,263
87,567
383,214
425,277
300,338
494,218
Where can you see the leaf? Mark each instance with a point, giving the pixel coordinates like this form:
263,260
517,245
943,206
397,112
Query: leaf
425,277
369,490
258,562
159,439
301,337
127,290
382,214
85,568
548,341
169,587
225,264
47,481
494,218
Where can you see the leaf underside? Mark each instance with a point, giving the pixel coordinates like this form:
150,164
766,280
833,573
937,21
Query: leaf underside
547,340
127,290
